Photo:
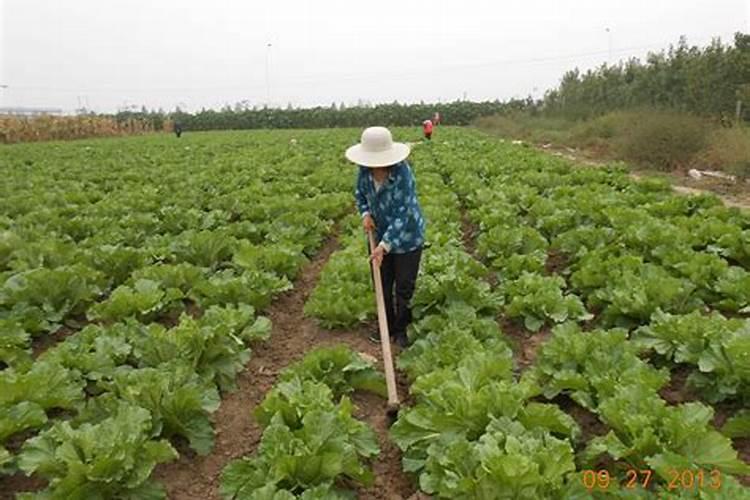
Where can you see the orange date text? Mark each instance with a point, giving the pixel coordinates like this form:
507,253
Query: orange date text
677,479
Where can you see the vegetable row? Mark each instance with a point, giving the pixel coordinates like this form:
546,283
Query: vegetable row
149,261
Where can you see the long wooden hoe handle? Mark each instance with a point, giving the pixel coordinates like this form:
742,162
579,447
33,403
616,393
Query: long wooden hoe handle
385,341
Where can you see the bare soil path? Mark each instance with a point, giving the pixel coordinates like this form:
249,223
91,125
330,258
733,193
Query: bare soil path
237,433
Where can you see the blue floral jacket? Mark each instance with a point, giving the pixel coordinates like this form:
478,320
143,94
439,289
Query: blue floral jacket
395,208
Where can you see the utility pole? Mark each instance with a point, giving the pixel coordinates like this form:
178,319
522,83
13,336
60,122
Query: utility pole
268,78
743,98
738,112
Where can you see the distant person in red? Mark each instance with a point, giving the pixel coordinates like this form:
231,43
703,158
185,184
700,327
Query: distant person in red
427,128
436,119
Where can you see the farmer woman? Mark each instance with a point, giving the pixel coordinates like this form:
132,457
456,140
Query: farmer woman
427,129
386,196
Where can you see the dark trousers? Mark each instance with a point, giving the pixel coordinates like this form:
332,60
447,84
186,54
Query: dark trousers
399,276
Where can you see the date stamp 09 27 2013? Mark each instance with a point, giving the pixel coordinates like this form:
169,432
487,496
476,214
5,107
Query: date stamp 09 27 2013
679,479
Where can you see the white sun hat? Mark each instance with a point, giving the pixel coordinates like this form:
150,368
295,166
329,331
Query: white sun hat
377,149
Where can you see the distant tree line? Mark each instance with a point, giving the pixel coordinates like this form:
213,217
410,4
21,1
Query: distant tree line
394,114
704,81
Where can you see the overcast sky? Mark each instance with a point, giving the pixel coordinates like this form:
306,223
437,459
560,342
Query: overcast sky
196,53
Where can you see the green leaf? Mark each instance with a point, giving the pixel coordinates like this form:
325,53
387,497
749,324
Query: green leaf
532,324
143,300
537,299
508,458
180,402
6,461
738,425
592,366
326,447
292,399
255,288
340,368
711,449
47,384
19,417
109,459
213,345
549,417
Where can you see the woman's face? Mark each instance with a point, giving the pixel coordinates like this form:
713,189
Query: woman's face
380,172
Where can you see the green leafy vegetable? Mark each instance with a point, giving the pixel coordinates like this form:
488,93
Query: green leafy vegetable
508,458
145,299
718,347
19,417
592,366
339,368
646,430
179,401
328,446
214,346
50,295
539,299
111,459
738,425
47,384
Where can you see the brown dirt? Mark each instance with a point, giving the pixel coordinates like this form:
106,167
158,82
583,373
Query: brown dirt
590,424
524,343
390,481
734,194
677,391
10,485
742,445
555,263
723,412
171,317
237,433
45,341
469,232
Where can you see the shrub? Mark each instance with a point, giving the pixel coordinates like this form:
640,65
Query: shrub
596,133
665,140
536,129
729,150
502,125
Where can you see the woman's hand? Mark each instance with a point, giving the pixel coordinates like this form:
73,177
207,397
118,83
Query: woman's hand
377,255
368,223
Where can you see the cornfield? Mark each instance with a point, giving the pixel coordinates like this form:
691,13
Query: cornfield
47,128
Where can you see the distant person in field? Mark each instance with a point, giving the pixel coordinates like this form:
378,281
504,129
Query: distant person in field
427,128
177,129
436,119
386,197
